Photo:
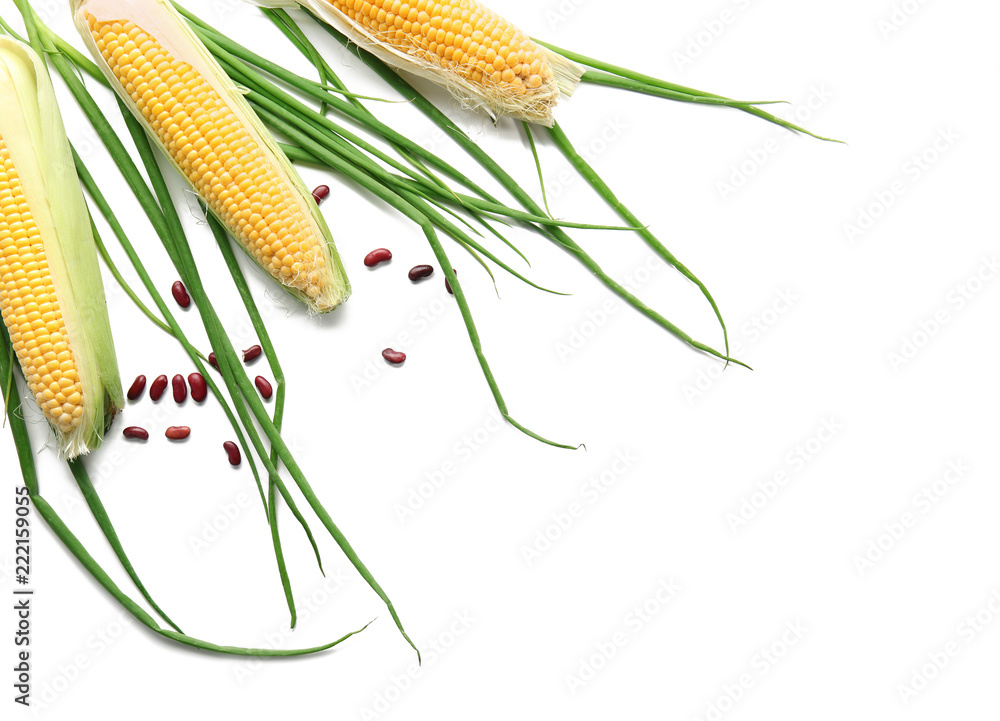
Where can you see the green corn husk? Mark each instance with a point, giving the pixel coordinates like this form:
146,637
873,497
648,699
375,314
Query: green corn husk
41,164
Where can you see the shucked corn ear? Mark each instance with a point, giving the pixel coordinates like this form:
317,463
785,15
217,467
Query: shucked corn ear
51,294
192,110
481,58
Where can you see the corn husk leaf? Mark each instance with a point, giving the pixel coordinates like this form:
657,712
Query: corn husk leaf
35,136
495,100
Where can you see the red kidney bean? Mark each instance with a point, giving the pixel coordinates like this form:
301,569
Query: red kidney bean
177,433
180,389
419,272
136,389
213,361
233,451
199,389
394,356
180,294
252,353
263,386
379,255
139,434
320,193
447,285
157,387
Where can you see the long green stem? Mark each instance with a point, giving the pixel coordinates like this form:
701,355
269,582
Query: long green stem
493,168
225,246
639,82
597,183
26,459
100,514
180,254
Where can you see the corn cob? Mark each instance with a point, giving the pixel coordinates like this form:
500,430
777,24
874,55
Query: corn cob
481,58
170,82
51,293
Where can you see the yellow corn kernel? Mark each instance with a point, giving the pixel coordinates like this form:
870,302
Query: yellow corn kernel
23,304
51,295
482,58
189,108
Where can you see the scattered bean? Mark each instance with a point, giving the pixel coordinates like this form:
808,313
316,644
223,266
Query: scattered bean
157,387
213,361
263,386
180,389
251,354
233,451
136,389
320,193
419,272
140,434
180,294
379,255
199,389
177,433
447,285
394,356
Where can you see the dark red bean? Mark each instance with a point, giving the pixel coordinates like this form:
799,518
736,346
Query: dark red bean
447,285
213,361
263,386
157,387
137,387
320,193
394,356
379,255
180,389
251,354
199,389
139,434
233,451
419,272
178,433
180,294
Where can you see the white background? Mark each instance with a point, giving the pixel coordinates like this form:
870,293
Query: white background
783,601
